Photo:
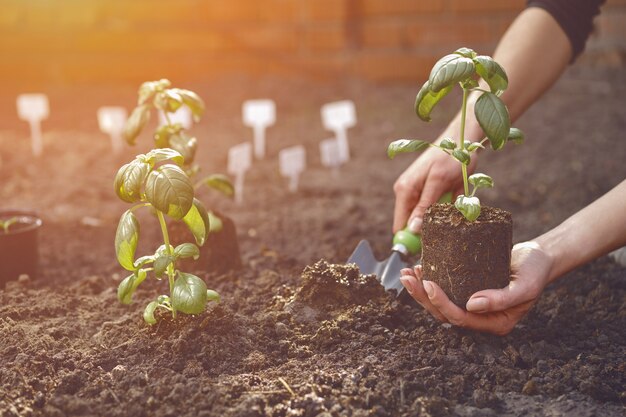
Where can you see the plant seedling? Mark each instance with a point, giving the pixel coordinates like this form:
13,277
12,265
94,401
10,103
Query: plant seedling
182,115
5,224
338,117
112,120
34,108
156,180
239,161
292,162
466,68
259,115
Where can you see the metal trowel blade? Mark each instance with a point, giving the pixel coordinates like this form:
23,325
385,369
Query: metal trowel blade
387,271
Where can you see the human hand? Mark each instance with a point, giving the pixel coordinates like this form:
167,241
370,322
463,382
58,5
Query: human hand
430,176
494,311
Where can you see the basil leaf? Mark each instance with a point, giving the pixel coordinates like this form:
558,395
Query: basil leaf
466,52
143,261
472,146
129,180
405,145
449,70
189,294
163,134
462,156
148,313
126,238
168,100
215,222
468,206
426,100
193,101
481,181
149,88
493,118
127,287
516,136
185,146
187,250
220,183
169,190
136,122
164,154
197,220
492,73
212,295
448,143
161,263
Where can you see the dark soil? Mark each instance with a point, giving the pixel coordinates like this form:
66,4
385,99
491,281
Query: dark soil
464,257
293,336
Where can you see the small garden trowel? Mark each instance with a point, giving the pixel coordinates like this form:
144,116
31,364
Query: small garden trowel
405,244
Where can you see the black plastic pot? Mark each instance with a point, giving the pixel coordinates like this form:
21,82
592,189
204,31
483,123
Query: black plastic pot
19,245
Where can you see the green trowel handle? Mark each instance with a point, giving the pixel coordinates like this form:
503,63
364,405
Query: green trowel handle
411,241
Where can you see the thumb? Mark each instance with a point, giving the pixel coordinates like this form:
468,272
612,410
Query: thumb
516,293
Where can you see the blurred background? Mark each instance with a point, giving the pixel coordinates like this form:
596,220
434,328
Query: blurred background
47,43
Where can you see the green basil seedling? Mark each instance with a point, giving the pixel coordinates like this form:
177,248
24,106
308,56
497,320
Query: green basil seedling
156,180
465,68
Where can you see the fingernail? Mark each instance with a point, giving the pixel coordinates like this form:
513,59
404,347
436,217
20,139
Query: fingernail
415,225
477,305
408,285
428,286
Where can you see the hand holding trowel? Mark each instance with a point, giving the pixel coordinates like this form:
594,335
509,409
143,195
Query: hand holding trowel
405,244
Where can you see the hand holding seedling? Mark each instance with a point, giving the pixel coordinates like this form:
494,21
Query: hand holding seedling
465,68
157,181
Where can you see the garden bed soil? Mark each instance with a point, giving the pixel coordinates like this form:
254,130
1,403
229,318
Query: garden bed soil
295,335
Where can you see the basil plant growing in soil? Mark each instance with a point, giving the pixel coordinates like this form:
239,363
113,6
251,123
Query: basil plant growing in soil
471,246
156,180
161,180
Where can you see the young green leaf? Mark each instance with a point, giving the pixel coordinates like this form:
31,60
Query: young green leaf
447,143
164,154
189,294
163,134
168,100
212,295
405,145
220,183
193,101
516,136
148,313
161,263
462,156
492,73
169,190
426,100
472,146
481,181
136,122
187,250
468,206
143,261
449,70
127,287
149,88
197,220
493,118
466,52
126,238
215,222
184,145
130,179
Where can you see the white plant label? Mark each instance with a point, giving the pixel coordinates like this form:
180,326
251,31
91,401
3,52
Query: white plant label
338,117
292,162
112,120
329,154
183,116
239,161
34,108
259,114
